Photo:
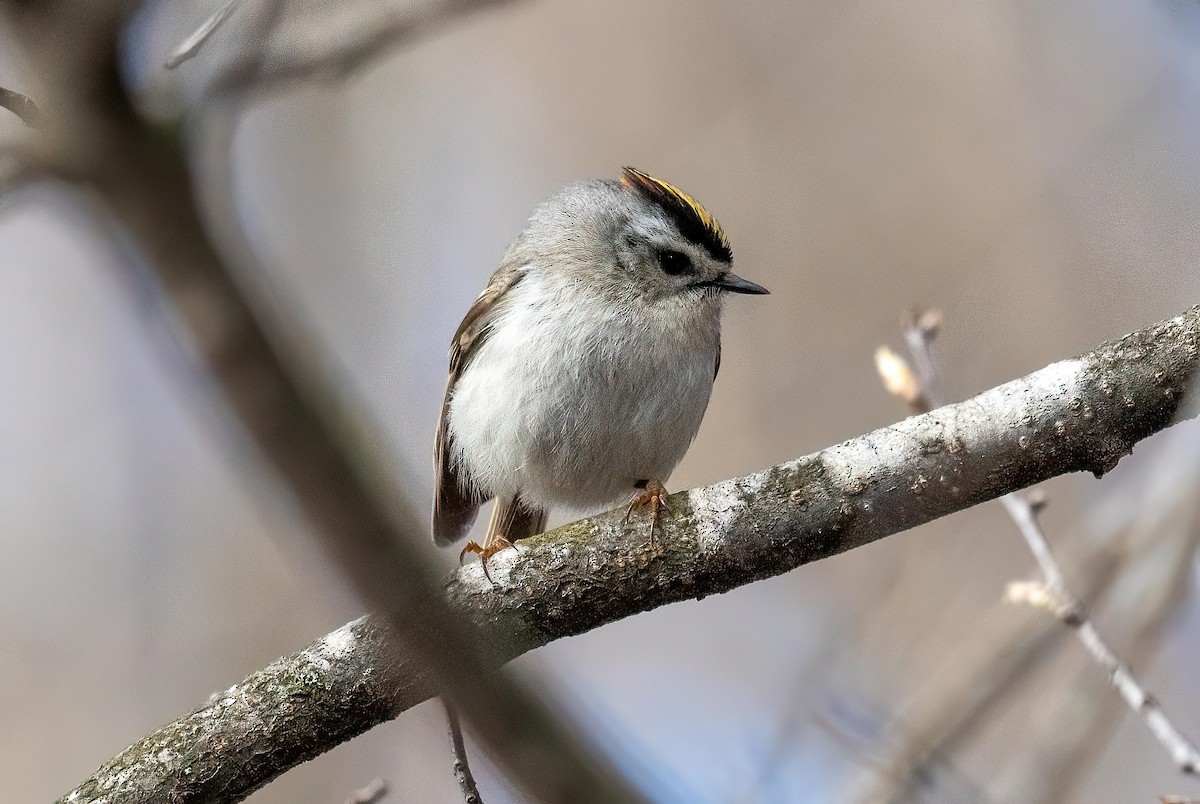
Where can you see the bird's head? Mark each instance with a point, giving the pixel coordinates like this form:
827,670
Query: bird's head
638,242
671,246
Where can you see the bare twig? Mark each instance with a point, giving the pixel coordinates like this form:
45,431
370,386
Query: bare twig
190,46
593,572
332,40
338,39
920,330
1052,595
1025,514
462,768
22,106
1151,521
371,793
1055,598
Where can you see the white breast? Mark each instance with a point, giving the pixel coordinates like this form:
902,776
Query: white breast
571,403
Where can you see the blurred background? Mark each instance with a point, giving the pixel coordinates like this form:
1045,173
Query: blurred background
1028,168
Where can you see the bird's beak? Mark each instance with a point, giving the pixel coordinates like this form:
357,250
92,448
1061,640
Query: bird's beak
735,284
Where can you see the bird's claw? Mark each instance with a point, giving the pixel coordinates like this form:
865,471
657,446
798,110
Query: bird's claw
655,496
485,552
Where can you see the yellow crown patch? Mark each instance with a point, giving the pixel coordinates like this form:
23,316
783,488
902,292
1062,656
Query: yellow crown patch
694,221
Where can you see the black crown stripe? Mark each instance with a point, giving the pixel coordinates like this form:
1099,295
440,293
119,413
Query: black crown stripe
694,221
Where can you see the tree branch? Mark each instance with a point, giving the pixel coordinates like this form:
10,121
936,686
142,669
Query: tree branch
1077,415
20,105
462,766
190,46
336,40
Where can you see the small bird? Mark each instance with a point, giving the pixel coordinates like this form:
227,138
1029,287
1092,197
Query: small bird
581,373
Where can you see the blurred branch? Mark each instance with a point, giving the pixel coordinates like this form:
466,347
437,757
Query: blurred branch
22,106
191,46
331,41
343,38
462,768
284,407
920,329
967,688
1080,414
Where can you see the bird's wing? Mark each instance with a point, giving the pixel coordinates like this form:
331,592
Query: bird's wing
456,498
717,366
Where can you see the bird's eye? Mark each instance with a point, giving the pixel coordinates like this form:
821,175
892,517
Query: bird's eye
674,262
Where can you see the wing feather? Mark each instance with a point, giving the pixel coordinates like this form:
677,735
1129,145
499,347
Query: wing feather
457,498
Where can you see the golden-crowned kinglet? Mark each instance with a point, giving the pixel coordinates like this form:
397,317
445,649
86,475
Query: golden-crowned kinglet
581,373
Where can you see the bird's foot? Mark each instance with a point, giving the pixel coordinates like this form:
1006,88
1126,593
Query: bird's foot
485,552
654,496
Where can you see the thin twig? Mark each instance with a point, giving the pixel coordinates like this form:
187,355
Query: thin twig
190,46
462,768
920,330
371,793
1071,611
919,333
336,40
22,106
